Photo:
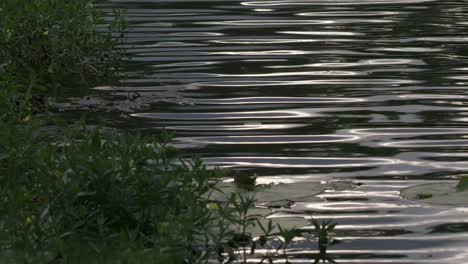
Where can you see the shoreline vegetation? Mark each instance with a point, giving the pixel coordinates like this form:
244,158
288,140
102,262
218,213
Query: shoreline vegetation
72,193
48,45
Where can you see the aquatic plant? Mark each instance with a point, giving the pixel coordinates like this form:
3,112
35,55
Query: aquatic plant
265,241
237,217
245,181
421,196
239,221
462,184
322,232
287,236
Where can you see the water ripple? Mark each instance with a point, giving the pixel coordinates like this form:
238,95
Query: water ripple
370,92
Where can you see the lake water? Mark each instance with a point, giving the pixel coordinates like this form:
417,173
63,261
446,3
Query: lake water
368,91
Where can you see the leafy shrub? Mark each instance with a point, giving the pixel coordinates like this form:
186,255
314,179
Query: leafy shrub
100,196
49,44
52,38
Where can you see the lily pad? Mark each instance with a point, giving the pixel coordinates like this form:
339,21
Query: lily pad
462,184
288,222
277,218
436,193
270,193
341,185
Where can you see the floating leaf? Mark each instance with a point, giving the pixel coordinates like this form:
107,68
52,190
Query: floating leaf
271,193
462,184
443,193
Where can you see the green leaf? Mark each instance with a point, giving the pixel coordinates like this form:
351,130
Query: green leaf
462,184
331,227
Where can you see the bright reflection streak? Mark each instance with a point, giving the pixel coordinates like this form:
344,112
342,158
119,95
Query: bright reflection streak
253,83
330,2
277,100
295,73
267,139
227,115
426,144
235,127
322,33
398,131
298,162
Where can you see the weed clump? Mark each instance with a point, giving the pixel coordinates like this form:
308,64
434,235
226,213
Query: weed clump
50,44
91,195
53,38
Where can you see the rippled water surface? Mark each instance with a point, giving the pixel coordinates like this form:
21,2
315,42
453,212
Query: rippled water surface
369,91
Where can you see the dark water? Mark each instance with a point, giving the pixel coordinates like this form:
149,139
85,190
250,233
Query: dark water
369,91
